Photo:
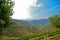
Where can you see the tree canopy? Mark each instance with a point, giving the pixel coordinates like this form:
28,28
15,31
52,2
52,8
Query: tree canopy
6,11
55,20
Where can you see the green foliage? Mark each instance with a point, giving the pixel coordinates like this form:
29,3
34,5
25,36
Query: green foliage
55,21
6,11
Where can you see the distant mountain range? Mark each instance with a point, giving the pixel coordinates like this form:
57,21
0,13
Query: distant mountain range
30,22
38,22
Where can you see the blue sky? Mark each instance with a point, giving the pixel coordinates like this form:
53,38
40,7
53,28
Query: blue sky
35,9
48,8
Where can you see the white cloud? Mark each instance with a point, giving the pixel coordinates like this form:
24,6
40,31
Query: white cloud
21,8
38,5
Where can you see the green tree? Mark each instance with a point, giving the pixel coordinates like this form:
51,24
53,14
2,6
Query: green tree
55,20
6,11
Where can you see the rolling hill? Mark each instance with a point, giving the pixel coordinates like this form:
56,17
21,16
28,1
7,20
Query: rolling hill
32,22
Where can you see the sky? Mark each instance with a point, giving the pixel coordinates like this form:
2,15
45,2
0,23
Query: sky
35,9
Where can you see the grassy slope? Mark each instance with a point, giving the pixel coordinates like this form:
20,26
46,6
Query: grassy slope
49,34
55,37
